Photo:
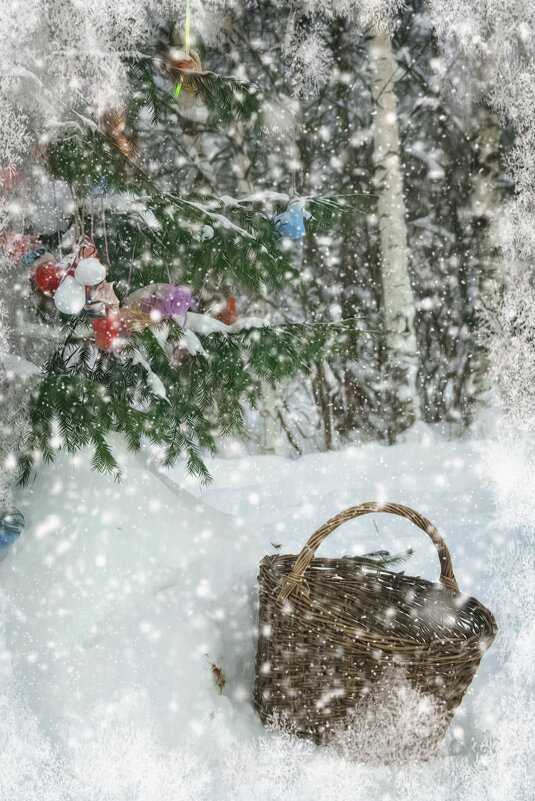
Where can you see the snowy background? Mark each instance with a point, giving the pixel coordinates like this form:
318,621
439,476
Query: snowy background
117,600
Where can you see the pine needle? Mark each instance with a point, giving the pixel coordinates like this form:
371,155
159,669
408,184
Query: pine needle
218,677
386,559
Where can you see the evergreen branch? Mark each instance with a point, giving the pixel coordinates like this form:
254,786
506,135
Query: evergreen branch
330,209
228,99
88,397
385,558
86,394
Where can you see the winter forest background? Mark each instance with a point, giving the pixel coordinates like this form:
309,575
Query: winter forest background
412,378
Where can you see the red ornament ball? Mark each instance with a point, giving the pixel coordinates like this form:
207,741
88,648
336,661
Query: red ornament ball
47,277
110,332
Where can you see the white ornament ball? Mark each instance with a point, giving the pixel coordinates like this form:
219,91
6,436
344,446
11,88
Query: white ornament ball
69,297
90,272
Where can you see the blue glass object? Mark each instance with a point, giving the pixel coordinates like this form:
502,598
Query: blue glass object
291,223
31,256
11,526
100,188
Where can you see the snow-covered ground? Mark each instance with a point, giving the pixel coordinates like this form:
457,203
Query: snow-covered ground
118,598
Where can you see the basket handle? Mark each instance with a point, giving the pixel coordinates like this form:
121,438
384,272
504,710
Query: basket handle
294,579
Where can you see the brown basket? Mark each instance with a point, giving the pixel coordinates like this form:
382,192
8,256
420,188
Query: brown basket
355,655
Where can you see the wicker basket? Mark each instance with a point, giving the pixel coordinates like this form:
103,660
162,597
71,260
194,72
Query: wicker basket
343,644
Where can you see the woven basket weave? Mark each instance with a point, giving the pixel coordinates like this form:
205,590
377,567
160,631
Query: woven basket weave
341,641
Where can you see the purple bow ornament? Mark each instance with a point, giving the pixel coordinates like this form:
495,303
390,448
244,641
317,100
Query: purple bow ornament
174,302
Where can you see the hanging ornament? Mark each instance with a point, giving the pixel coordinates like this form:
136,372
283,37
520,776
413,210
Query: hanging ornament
152,304
114,124
86,249
69,261
77,283
183,64
175,302
291,223
11,526
183,71
182,68
110,331
100,298
90,272
31,256
47,274
69,297
229,315
99,189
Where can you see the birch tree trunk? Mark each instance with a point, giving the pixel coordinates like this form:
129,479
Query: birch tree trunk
398,300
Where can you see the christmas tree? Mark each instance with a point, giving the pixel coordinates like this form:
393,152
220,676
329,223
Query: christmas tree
142,352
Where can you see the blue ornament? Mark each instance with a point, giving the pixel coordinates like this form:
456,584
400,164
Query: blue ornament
100,188
291,223
31,256
11,526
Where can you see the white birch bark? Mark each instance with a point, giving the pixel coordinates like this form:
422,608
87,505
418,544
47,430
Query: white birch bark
398,300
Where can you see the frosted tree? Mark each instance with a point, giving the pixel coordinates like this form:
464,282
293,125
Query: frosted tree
500,36
438,161
499,39
398,308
